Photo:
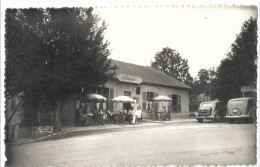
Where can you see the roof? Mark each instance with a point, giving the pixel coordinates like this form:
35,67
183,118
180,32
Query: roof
148,75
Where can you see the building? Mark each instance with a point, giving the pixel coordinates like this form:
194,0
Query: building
143,84
139,82
195,103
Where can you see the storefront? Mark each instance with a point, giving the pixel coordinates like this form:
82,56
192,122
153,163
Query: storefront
143,84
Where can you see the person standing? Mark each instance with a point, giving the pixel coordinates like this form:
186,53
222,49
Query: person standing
137,114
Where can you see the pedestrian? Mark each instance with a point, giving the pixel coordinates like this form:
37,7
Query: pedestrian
164,113
82,118
130,115
137,114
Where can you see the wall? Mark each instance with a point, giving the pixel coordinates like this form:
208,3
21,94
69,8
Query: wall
11,129
120,87
69,105
68,111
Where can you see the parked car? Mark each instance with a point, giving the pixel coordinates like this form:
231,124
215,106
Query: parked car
241,109
212,110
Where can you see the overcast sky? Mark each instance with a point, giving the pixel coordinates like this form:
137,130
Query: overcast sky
203,35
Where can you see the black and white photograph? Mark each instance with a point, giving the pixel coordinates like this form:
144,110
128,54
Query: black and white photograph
159,84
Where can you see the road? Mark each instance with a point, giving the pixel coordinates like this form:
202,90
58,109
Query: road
183,143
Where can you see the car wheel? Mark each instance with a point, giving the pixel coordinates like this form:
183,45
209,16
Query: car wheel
250,120
217,119
200,120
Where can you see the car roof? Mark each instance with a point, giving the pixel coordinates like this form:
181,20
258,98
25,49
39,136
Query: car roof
211,102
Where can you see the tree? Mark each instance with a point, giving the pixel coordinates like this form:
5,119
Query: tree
170,62
239,68
54,53
203,82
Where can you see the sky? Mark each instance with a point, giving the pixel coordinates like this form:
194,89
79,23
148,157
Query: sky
202,35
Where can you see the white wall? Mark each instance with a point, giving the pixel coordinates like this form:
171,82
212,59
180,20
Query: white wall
120,87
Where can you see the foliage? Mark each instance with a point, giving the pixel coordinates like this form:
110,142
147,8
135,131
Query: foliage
239,68
53,53
170,62
203,82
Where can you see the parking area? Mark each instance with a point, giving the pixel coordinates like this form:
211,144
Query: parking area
177,142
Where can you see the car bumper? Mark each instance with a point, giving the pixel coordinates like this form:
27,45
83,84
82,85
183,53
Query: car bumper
237,117
205,117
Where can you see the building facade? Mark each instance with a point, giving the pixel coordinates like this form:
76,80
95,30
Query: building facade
143,84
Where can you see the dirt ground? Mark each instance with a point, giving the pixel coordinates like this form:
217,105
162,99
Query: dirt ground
173,143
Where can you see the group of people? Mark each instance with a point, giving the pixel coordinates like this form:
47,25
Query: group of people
83,117
163,115
129,115
132,114
166,115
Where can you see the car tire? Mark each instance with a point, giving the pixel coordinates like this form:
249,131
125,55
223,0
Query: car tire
217,119
250,120
200,120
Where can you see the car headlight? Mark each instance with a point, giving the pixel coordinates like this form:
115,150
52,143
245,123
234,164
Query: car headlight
235,111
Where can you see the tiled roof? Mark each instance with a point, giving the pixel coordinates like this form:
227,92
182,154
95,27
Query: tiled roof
149,75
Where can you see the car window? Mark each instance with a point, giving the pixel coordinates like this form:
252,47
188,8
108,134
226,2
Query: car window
205,106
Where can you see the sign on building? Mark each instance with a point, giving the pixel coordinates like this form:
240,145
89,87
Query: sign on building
129,78
248,89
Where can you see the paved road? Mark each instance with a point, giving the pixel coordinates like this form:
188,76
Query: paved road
180,143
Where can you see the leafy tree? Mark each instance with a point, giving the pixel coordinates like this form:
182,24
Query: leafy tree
239,68
54,53
203,82
170,62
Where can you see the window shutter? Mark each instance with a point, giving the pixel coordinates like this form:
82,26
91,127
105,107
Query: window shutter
179,99
111,93
155,94
179,103
144,106
144,96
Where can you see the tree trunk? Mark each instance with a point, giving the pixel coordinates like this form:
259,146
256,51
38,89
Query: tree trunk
57,116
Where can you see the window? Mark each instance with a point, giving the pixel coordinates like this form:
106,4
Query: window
150,96
137,91
127,93
176,103
148,102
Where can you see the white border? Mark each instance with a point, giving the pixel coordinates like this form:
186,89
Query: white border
104,3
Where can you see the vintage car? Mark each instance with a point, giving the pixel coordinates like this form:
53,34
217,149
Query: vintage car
214,110
241,109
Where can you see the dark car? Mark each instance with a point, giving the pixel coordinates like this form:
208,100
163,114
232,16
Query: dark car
211,110
241,109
